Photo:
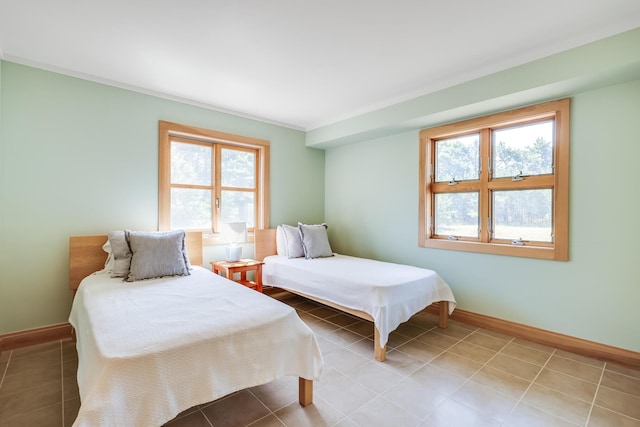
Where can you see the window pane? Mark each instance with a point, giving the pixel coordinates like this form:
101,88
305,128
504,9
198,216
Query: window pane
190,164
238,206
456,214
527,149
525,214
190,209
458,158
238,168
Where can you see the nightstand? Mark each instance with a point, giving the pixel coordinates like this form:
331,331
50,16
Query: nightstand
241,267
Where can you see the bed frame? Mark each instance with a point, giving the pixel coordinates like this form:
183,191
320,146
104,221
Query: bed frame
86,256
265,245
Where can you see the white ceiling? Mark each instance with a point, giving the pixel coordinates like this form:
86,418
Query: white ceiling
295,62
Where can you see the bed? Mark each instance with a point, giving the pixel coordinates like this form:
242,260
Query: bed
150,349
384,293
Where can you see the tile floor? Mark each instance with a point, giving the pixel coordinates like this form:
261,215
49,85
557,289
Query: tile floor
459,376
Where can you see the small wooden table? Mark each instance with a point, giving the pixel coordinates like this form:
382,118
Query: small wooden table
242,266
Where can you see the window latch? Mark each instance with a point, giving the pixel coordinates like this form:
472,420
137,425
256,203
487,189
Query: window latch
518,177
452,238
453,181
519,242
217,203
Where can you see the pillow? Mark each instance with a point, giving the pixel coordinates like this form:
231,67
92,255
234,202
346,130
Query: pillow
120,254
315,241
108,264
288,241
157,254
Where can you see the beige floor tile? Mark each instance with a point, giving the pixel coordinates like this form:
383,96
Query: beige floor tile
345,360
362,327
613,367
580,358
402,363
329,374
343,337
29,400
308,318
37,349
381,412
278,393
363,347
557,404
485,400
451,413
225,413
323,328
457,364
35,377
621,382
418,398
455,330
307,306
31,361
194,419
375,377
327,346
4,356
528,354
424,320
324,312
410,329
501,381
495,334
528,416
419,350
575,368
346,422
517,367
618,401
445,382
342,319
601,417
567,384
471,351
487,341
436,339
534,345
269,421
319,414
396,339
70,411
48,416
345,394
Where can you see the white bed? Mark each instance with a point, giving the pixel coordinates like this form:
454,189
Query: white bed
148,350
386,293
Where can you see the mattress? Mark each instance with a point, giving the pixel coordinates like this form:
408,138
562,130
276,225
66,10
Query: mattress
148,350
390,293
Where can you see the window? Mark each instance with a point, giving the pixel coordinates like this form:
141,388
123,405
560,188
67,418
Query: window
498,184
208,178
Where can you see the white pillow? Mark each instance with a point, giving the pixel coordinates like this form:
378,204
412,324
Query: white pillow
315,241
288,242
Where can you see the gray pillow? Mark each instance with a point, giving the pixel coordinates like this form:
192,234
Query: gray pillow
157,254
120,254
315,241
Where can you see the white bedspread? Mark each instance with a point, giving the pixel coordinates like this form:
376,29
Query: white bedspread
148,350
390,293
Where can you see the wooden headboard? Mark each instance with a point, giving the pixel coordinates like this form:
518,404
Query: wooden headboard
264,243
86,255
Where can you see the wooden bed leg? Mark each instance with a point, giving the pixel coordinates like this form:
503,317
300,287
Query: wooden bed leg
443,320
305,391
380,353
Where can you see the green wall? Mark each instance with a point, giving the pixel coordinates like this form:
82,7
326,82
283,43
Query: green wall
80,157
371,207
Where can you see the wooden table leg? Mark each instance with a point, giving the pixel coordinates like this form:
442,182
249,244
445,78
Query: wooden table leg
380,353
305,391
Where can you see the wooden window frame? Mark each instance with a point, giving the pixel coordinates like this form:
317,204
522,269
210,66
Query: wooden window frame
558,249
168,131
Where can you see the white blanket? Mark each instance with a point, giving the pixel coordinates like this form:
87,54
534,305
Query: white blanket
389,293
148,350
